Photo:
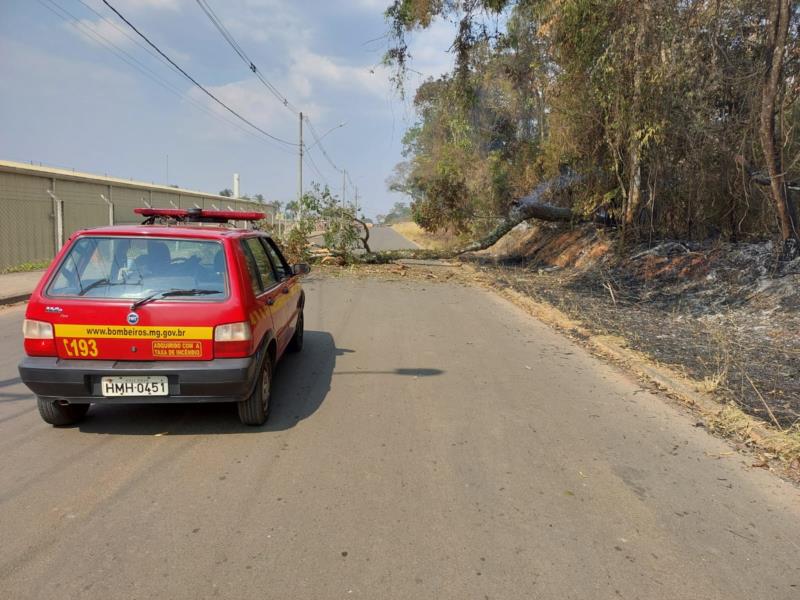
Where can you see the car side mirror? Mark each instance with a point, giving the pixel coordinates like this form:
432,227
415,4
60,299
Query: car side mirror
301,269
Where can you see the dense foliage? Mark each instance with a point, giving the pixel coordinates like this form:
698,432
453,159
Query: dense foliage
677,114
343,232
399,213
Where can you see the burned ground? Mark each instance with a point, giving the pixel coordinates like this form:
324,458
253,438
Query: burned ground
725,314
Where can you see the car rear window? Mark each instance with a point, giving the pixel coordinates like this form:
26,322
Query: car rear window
136,267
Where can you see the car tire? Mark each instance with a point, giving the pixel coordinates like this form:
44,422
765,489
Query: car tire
296,343
255,409
61,415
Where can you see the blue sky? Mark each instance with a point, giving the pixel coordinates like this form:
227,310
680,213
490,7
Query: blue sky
68,101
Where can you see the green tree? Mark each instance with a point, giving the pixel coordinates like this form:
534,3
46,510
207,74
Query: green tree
343,233
669,111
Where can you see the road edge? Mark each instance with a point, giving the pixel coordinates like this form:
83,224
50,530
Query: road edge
8,300
775,450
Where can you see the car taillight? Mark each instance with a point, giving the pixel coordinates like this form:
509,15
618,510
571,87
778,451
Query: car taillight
39,339
232,340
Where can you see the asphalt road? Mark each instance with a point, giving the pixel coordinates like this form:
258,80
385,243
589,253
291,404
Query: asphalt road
431,441
386,238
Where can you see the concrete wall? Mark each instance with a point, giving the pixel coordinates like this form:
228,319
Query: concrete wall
28,214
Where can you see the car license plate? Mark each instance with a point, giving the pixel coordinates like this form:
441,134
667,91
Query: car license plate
134,386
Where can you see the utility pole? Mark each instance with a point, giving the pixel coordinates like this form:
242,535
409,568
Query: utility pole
344,185
344,190
300,171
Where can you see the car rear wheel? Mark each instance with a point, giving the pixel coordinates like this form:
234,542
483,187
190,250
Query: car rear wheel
61,414
296,343
255,410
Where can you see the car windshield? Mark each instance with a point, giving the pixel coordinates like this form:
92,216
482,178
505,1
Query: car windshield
138,267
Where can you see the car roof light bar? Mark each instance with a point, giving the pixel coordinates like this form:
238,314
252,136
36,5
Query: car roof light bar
197,215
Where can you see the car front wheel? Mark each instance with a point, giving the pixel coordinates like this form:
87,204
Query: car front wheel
255,409
61,415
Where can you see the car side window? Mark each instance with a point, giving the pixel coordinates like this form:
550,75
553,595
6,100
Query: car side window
259,261
282,269
252,269
262,263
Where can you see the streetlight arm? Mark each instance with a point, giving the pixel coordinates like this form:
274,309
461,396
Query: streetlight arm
319,139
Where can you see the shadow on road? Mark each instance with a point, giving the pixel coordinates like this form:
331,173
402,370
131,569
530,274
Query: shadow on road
406,372
10,381
301,383
13,396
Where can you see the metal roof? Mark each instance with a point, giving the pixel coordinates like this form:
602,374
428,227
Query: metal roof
29,169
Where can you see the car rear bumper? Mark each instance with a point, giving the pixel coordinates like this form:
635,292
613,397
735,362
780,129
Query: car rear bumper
78,381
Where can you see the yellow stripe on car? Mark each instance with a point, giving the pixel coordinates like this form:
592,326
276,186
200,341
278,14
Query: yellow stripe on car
134,332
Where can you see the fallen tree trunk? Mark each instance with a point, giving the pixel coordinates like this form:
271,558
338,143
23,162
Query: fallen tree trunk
531,207
759,178
523,212
386,256
527,207
543,212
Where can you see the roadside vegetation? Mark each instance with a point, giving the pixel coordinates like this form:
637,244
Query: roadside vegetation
439,240
661,141
343,232
400,213
26,267
662,119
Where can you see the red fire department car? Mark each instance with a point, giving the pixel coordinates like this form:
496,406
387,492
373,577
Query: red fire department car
183,308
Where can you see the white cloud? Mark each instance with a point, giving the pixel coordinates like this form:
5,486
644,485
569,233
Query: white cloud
430,55
62,73
316,52
313,68
103,32
98,32
254,102
373,5
267,21
139,5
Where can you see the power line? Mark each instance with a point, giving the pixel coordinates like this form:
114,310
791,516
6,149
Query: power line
243,55
310,162
316,168
194,81
123,32
237,48
132,61
318,142
353,186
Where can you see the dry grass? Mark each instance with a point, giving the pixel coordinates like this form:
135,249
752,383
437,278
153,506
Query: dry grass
732,422
425,239
712,383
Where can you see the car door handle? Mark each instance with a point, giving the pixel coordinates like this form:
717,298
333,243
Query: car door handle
270,301
285,290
